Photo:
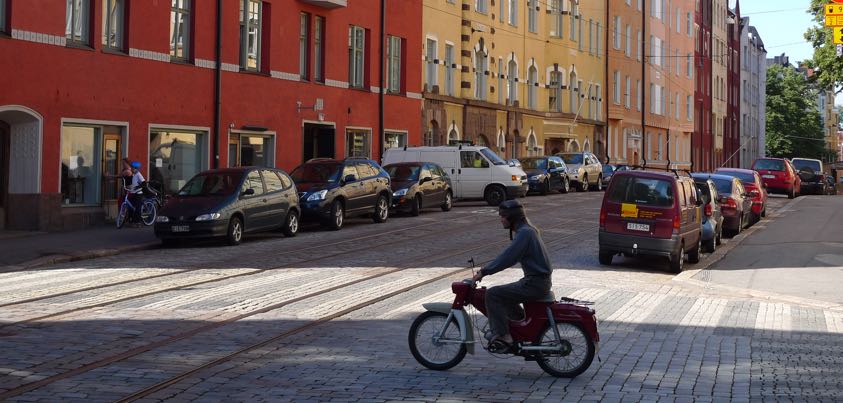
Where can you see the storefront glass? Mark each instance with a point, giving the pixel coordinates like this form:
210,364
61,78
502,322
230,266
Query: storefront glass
257,151
174,157
80,165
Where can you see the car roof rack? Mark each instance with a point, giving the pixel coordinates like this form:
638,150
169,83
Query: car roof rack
673,170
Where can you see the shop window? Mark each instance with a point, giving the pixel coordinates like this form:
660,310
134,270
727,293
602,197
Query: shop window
180,29
175,157
358,143
77,27
395,139
257,151
81,149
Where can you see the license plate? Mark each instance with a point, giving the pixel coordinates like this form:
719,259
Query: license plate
637,227
768,176
180,228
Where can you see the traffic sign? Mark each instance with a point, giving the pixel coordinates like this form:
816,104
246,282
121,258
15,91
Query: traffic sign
838,35
834,9
834,20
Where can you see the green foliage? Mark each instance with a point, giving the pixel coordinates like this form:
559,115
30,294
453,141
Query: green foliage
794,127
828,66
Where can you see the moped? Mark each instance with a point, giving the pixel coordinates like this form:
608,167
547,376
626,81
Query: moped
561,336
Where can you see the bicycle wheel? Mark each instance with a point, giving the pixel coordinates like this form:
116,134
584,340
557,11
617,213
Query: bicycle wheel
122,215
148,212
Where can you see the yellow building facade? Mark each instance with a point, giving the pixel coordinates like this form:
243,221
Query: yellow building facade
522,77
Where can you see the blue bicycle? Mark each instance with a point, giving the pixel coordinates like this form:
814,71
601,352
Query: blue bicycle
148,208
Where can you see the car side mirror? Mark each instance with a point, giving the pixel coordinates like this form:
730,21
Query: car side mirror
349,178
426,179
248,192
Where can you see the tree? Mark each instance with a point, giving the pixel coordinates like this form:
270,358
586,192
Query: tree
794,127
828,67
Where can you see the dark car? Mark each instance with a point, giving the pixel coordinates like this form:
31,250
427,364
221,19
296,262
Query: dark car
831,186
545,174
754,187
811,174
651,213
609,170
735,203
779,176
331,190
712,219
229,203
419,185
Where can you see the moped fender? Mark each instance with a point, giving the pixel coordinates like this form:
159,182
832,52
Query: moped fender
462,318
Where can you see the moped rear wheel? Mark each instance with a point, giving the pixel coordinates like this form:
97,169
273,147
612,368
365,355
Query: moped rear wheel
576,353
439,355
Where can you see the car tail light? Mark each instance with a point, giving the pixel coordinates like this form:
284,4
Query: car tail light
730,203
602,218
677,222
708,210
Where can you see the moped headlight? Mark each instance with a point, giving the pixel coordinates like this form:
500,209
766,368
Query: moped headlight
320,195
208,217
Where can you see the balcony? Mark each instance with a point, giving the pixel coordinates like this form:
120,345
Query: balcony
327,3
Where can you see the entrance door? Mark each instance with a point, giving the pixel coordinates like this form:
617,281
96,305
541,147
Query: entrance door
111,166
318,141
234,151
4,172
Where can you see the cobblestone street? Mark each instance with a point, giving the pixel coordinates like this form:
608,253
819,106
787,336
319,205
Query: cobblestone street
325,316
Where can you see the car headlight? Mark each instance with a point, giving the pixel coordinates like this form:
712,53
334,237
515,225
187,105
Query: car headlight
162,218
400,192
320,195
208,217
535,177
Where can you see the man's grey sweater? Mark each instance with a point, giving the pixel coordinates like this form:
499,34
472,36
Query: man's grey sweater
528,249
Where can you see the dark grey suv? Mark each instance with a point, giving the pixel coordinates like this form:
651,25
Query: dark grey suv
331,190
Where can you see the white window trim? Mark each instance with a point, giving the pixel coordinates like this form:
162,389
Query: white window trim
80,122
357,128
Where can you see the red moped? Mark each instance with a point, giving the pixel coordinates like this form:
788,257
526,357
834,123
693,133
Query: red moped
561,336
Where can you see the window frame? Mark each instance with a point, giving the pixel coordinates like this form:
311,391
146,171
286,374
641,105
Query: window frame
356,57
304,46
4,17
119,42
176,11
393,73
431,71
71,19
246,25
532,16
318,49
449,69
367,136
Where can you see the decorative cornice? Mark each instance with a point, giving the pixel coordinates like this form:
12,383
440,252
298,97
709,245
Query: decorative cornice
414,95
149,55
283,75
38,37
335,83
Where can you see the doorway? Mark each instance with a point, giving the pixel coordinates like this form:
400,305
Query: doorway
112,154
319,141
4,172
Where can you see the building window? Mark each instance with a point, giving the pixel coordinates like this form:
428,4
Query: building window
659,150
78,26
638,94
616,33
3,17
573,30
628,41
678,21
572,93
357,143
500,81
251,150
304,27
676,61
590,37
449,69
250,34
554,101
512,82
393,64
689,22
481,71
640,45
616,87
532,87
113,23
627,99
319,49
599,96
430,64
676,106
580,96
180,29
394,139
556,18
599,49
481,6
356,52
689,111
502,11
81,150
652,98
513,12
532,14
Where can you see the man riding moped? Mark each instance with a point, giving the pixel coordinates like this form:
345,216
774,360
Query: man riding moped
528,249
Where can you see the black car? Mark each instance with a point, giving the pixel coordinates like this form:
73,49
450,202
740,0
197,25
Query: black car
418,185
545,174
331,190
609,170
229,203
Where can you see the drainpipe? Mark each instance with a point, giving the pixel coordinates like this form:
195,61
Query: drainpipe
606,81
644,83
217,88
381,68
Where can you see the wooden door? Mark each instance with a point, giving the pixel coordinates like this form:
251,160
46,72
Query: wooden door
112,154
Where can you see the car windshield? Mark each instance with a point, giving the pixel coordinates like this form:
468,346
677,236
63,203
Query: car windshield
534,163
212,184
641,191
316,173
744,177
492,157
724,186
572,158
770,165
403,173
800,164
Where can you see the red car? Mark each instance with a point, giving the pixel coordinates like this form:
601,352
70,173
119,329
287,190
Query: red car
751,181
779,175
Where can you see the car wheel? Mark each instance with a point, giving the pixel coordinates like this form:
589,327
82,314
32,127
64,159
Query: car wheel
599,185
337,218
566,186
584,184
291,224
448,203
235,231
495,195
764,212
791,194
605,257
718,238
381,209
694,254
417,206
677,260
545,187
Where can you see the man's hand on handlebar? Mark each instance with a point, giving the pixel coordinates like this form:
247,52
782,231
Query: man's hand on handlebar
478,276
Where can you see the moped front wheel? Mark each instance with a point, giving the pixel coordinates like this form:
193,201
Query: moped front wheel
428,348
575,353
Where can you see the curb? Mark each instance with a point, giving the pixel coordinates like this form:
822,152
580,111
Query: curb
84,255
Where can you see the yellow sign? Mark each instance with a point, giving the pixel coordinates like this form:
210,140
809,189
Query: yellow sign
838,35
629,210
834,20
834,9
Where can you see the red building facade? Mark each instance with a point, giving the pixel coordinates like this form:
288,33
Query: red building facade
89,83
703,140
732,133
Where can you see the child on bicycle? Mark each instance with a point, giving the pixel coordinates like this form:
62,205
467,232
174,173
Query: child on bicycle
136,192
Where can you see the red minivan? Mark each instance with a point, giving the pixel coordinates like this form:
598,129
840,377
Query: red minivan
778,176
651,213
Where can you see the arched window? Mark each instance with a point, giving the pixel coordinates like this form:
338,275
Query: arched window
453,136
532,87
501,142
481,140
431,134
481,64
572,93
532,145
573,147
511,84
586,146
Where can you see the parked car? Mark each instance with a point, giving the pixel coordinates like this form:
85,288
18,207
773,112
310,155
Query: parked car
831,186
545,174
584,169
712,219
332,190
475,171
810,172
419,185
229,203
754,187
735,204
778,175
609,170
651,213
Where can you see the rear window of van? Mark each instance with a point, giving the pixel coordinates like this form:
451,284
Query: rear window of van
641,191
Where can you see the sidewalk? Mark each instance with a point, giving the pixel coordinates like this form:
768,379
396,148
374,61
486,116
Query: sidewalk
30,249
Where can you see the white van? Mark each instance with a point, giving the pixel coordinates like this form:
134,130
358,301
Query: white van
475,171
